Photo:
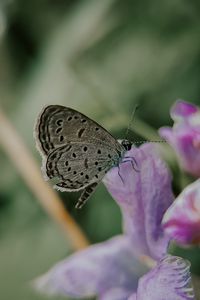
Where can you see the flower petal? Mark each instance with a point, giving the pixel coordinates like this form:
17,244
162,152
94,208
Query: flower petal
184,137
182,109
169,280
143,197
115,294
182,220
95,271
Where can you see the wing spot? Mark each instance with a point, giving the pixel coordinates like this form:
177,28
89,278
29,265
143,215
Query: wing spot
61,138
66,163
74,155
69,169
96,163
85,148
75,117
96,176
97,128
47,146
86,176
59,129
99,151
75,173
81,173
86,163
59,122
69,119
83,120
99,169
80,133
109,156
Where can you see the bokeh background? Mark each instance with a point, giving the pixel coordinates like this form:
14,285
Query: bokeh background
100,57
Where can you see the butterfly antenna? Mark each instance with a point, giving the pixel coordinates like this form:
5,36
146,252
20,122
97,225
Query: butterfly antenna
129,126
131,120
146,141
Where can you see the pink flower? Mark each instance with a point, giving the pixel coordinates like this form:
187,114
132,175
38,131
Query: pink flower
184,136
114,269
182,219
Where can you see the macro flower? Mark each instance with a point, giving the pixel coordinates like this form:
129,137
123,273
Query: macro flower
184,136
116,269
182,220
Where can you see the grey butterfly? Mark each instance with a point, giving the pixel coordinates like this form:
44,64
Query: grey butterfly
76,150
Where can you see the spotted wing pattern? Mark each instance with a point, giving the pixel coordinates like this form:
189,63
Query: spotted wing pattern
58,125
76,150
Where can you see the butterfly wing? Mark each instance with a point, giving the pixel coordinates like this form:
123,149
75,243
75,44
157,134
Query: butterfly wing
58,125
77,165
75,149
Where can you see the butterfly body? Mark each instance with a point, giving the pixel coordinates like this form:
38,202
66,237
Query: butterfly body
76,150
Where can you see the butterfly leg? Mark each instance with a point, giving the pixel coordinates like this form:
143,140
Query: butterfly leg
86,194
120,174
133,162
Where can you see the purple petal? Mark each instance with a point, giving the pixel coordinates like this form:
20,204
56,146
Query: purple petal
186,142
169,280
133,297
115,294
167,134
182,220
144,197
182,109
184,137
98,270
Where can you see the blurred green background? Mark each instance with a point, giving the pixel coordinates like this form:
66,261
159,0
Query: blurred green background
100,57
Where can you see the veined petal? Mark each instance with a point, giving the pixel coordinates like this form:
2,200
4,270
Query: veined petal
182,220
169,280
143,196
98,270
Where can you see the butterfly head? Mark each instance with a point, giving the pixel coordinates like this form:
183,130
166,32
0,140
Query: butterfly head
126,144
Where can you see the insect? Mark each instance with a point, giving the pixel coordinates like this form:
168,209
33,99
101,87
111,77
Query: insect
76,150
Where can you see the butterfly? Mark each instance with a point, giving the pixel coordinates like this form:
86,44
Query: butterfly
76,150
